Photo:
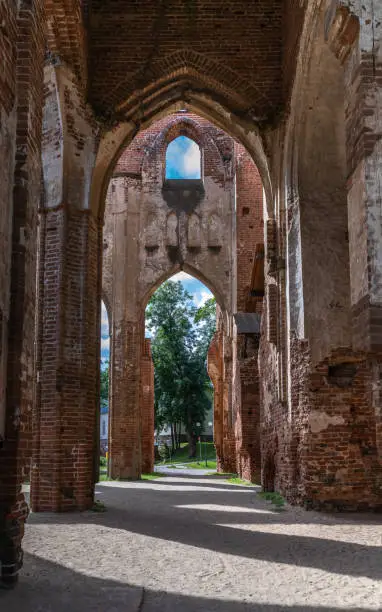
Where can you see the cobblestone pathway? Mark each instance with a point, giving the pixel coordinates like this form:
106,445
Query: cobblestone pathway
193,544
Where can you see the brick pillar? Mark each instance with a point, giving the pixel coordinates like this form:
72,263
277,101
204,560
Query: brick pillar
126,338
215,372
247,425
69,302
125,425
229,444
147,408
68,361
15,452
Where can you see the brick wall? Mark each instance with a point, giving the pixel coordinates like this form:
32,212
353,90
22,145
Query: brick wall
186,44
7,139
249,222
141,251
246,398
320,438
16,452
68,361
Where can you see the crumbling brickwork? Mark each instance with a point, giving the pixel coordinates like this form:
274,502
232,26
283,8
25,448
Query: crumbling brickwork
21,111
246,391
151,62
320,439
155,227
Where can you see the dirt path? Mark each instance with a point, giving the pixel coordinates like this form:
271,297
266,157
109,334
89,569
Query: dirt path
193,544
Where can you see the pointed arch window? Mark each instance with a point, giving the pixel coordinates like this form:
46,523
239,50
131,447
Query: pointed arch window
183,159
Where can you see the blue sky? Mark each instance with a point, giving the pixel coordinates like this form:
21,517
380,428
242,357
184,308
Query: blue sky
183,159
199,292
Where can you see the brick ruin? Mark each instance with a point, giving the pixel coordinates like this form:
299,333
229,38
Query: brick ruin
211,228
284,98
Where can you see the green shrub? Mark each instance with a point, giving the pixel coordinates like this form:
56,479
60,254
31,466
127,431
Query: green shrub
164,451
274,497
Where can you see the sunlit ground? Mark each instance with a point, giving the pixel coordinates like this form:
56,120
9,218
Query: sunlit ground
192,544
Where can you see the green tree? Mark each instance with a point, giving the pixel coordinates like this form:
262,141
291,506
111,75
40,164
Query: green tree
205,318
179,348
105,386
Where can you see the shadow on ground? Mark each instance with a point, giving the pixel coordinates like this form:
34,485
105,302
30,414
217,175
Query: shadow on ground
144,508
60,589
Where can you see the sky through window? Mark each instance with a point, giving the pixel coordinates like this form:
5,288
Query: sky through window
183,159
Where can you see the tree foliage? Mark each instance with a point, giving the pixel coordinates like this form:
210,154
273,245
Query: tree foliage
105,386
181,335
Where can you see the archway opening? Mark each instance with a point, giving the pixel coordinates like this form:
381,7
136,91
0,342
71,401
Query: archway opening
155,227
104,390
183,159
180,324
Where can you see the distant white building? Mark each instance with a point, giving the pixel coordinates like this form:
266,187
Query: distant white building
104,428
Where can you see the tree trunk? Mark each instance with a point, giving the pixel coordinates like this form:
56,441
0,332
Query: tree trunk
191,445
179,433
175,446
172,439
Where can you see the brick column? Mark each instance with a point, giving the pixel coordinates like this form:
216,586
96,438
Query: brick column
127,338
68,361
125,426
247,424
215,372
15,452
229,444
147,408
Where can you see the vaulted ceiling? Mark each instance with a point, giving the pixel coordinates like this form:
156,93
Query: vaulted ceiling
141,51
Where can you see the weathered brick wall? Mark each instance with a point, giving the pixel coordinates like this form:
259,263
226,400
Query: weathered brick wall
249,223
186,43
7,147
153,229
68,337
147,408
27,85
68,361
247,408
246,398
293,21
320,440
10,529
216,373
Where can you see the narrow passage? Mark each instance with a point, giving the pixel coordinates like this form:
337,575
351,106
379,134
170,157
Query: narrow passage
194,543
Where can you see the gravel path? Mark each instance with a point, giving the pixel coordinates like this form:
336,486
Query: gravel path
189,543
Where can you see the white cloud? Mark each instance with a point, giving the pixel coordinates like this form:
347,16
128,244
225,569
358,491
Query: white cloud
191,161
183,159
104,321
203,297
105,344
181,276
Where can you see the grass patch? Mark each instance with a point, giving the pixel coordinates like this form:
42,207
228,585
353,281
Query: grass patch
201,465
152,476
275,498
203,449
106,478
230,474
103,477
98,506
239,481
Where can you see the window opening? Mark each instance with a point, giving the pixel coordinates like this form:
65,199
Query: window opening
183,159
